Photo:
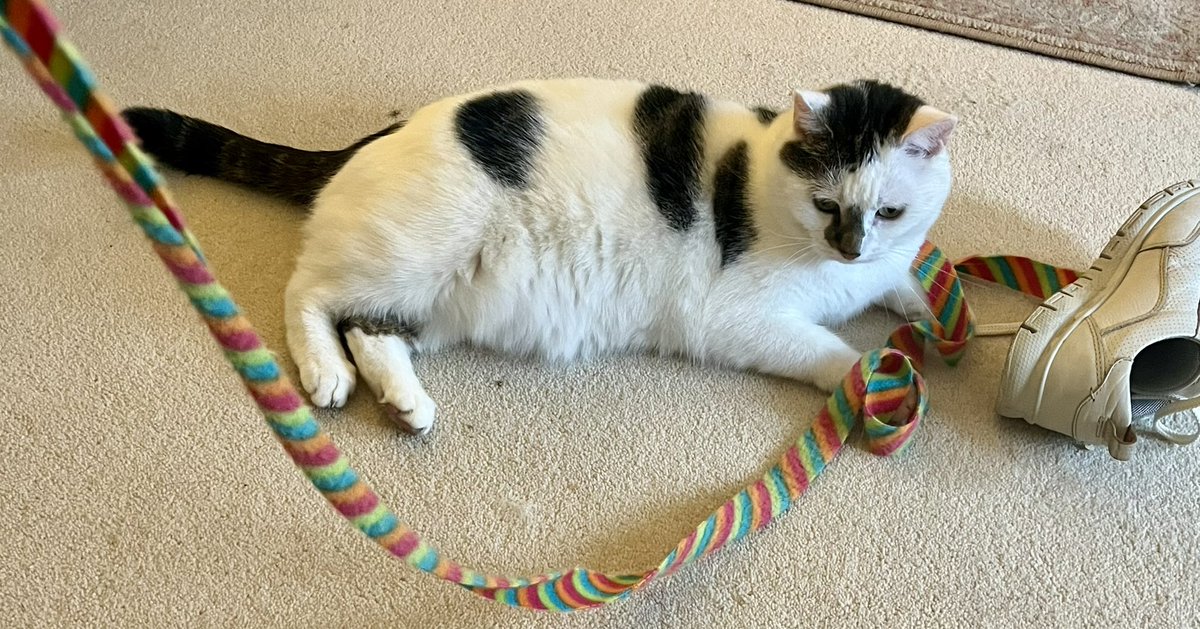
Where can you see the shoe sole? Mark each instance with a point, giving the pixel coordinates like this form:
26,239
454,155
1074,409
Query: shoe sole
1062,314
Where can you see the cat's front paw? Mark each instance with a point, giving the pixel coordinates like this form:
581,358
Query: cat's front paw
830,376
908,301
329,383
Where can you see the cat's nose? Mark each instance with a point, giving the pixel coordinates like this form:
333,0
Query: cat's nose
850,243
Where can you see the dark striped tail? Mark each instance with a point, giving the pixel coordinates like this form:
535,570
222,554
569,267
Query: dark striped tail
203,148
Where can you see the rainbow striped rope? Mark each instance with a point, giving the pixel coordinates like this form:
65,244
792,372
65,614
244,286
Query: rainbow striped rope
884,389
1036,279
952,324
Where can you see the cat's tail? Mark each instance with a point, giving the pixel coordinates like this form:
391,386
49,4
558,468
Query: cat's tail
203,148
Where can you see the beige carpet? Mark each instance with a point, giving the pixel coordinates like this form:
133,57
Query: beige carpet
141,488
1159,39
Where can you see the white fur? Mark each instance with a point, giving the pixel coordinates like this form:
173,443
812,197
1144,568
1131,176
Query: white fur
385,362
582,263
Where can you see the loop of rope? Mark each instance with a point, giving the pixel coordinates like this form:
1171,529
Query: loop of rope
884,391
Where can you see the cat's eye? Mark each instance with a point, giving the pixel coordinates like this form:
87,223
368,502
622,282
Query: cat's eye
828,206
890,212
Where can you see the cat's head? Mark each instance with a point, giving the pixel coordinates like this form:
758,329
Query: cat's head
868,169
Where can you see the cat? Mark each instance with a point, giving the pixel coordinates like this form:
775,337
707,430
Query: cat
568,218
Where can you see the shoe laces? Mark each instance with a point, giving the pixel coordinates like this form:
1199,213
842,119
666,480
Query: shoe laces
1161,417
996,329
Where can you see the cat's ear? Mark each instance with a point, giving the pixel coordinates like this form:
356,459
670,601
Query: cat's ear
929,131
805,106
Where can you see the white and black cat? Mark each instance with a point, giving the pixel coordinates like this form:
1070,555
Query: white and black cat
567,218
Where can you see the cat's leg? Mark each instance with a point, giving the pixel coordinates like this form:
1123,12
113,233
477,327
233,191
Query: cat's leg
906,297
385,363
785,346
315,345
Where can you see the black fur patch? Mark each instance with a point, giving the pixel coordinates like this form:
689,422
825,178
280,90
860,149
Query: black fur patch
502,132
765,115
859,118
731,209
198,147
670,127
376,326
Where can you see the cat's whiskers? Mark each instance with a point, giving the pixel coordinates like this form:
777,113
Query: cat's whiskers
784,236
974,281
900,303
786,239
798,255
787,244
922,298
942,286
933,280
803,244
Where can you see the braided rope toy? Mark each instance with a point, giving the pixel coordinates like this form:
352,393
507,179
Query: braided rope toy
884,390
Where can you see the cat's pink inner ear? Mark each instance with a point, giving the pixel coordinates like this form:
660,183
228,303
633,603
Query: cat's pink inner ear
805,106
929,131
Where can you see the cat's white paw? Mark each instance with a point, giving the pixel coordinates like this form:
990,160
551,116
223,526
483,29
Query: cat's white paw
329,383
833,372
830,381
413,411
385,363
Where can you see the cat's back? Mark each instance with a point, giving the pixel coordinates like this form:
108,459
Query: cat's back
554,160
545,108
558,99
563,143
550,150
567,141
540,133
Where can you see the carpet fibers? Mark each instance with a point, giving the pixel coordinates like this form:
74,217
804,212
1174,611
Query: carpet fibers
143,490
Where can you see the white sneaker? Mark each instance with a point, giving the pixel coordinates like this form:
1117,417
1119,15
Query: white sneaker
1122,343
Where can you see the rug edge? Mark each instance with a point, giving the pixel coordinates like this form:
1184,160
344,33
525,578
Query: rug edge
1188,77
